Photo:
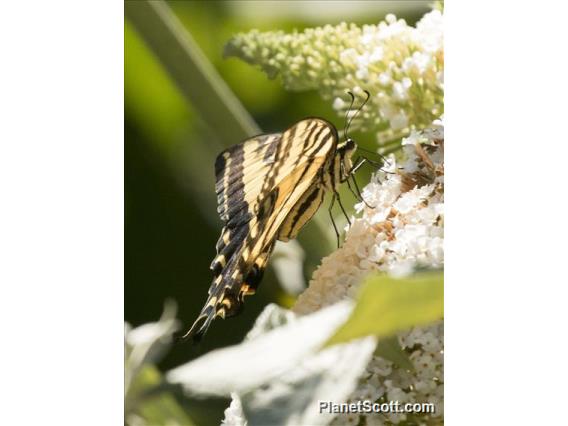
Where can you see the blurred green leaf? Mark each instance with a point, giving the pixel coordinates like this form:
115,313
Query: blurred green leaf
194,75
151,98
387,305
389,348
156,408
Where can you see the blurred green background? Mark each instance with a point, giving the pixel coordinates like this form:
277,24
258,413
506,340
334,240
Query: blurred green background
171,223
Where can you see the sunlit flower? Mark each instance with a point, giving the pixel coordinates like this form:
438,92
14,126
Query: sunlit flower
400,65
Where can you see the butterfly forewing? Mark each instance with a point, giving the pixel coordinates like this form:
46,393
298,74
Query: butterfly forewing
267,187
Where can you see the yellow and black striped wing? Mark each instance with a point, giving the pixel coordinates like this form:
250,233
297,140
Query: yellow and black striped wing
302,212
267,188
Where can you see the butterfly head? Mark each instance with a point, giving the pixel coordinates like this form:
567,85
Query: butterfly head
346,150
349,146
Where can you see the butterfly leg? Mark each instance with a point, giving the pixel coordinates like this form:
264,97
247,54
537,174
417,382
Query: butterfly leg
359,191
342,208
332,219
353,192
358,163
357,196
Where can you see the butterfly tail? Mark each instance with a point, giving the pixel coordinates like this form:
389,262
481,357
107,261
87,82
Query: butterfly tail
201,324
222,302
227,292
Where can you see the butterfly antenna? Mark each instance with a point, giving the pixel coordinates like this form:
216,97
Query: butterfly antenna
348,123
347,116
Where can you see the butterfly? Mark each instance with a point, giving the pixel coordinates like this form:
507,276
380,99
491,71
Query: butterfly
268,187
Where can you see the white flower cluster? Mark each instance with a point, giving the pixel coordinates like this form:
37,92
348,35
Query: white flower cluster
383,381
403,230
400,65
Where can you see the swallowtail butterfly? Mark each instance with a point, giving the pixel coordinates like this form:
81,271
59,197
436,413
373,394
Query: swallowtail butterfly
268,187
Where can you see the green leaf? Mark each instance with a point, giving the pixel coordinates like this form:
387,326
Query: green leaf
157,408
389,348
387,305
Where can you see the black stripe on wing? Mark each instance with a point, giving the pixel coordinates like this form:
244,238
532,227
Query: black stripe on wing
301,213
240,172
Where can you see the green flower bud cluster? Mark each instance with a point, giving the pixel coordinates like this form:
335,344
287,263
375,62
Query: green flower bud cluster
400,65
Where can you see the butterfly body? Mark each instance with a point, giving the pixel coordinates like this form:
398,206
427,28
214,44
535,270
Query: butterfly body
268,187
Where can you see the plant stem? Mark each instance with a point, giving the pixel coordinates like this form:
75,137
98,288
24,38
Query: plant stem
188,67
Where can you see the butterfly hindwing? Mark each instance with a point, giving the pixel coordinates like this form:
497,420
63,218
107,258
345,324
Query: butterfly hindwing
239,171
301,213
